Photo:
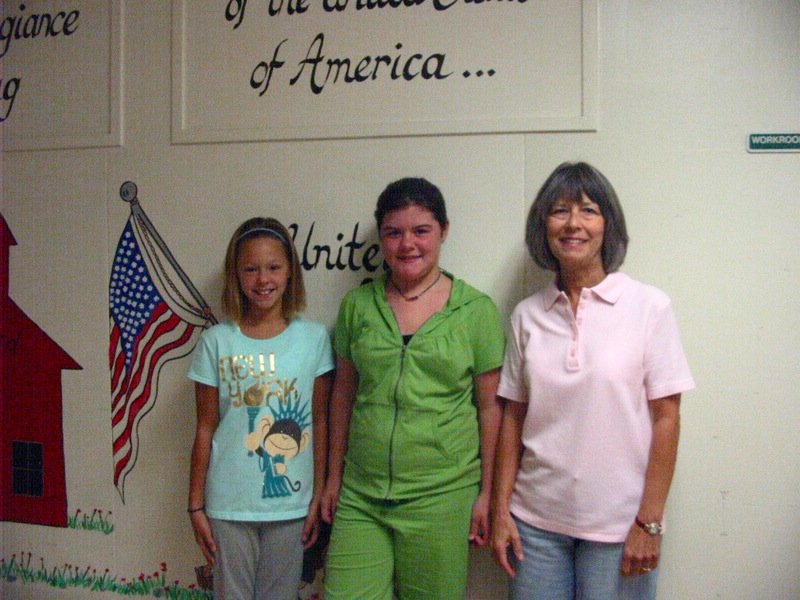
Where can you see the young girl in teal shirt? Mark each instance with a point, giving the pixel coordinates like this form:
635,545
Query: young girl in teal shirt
262,385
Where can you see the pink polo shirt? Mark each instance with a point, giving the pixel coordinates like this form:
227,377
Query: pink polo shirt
587,378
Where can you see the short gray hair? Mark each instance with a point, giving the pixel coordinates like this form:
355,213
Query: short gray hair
570,181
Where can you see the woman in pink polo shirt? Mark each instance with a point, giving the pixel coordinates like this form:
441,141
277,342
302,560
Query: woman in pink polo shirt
592,379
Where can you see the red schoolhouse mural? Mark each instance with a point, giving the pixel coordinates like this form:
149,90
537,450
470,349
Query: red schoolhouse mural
32,474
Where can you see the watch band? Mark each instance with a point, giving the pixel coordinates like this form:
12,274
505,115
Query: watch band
654,528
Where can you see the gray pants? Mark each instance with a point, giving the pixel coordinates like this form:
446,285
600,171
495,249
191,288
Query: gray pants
257,560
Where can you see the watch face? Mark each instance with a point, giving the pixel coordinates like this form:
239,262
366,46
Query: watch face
651,528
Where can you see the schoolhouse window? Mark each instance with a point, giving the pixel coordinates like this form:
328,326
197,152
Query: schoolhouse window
28,469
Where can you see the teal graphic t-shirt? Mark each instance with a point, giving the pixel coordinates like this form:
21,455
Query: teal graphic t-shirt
262,463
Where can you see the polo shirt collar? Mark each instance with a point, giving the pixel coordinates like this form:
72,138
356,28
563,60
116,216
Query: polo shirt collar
609,290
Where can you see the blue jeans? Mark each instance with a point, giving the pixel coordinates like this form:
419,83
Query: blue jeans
560,567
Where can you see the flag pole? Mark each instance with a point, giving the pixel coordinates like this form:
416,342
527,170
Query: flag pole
128,192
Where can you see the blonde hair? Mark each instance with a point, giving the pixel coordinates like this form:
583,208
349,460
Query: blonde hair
234,302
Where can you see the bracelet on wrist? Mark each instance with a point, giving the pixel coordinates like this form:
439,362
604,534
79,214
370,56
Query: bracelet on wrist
194,510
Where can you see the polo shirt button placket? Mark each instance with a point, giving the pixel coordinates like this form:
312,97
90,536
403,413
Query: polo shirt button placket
573,364
573,360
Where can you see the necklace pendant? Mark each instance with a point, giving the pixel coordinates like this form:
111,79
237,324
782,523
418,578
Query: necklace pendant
418,296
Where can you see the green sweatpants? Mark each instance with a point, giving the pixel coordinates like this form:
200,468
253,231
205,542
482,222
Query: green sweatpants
417,549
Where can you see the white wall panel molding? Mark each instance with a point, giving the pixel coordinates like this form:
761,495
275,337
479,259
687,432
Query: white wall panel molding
318,69
68,64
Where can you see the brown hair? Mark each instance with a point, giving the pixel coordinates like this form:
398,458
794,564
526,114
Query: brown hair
569,182
411,191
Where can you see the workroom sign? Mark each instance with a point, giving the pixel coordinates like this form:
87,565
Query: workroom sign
773,142
247,70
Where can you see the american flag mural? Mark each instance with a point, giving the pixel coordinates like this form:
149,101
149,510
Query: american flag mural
155,316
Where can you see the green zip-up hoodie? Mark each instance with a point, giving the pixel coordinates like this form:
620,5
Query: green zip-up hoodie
414,428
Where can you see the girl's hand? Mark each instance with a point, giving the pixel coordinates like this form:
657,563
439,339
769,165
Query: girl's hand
641,552
204,536
330,499
479,529
207,402
505,534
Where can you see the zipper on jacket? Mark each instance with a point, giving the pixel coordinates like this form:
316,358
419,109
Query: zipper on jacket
394,422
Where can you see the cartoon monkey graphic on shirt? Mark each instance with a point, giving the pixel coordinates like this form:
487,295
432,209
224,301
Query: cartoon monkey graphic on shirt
276,440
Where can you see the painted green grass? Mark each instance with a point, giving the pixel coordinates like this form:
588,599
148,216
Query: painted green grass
24,570
98,520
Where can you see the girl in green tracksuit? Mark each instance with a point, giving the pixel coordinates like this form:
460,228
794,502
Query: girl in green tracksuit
414,416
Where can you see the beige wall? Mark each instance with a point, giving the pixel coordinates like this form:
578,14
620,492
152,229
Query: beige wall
679,86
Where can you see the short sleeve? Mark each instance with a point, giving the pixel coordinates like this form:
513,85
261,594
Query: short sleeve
344,326
488,336
325,352
203,368
512,381
666,368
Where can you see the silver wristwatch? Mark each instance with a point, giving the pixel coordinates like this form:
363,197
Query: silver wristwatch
654,528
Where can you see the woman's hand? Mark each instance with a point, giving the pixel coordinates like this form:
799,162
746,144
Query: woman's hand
641,552
479,529
505,534
204,536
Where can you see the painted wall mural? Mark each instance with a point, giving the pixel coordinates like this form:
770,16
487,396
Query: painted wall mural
156,315
32,471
